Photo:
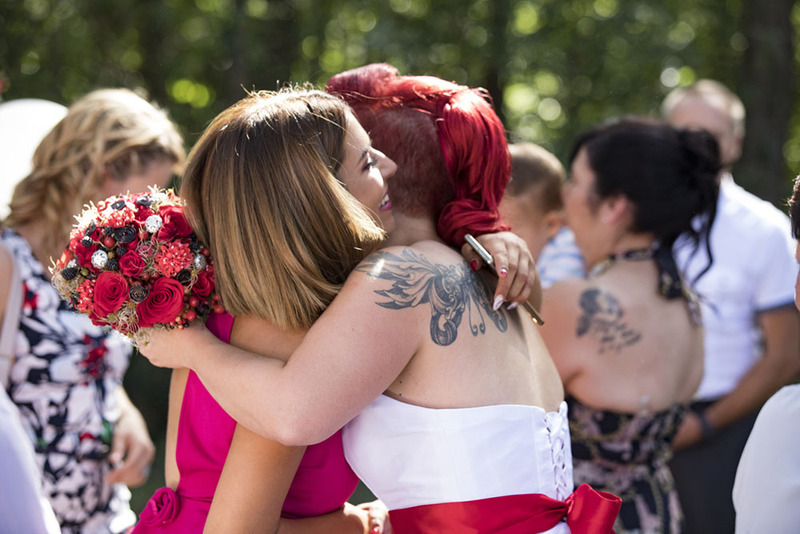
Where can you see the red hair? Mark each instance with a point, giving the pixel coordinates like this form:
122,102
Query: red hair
448,143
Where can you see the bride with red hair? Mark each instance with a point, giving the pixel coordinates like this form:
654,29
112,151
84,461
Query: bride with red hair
454,411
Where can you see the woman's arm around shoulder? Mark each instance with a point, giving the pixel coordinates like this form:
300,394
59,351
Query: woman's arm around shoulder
352,354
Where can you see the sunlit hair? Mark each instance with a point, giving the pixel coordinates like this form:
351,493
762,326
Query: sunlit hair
262,192
714,93
449,145
794,207
534,167
110,132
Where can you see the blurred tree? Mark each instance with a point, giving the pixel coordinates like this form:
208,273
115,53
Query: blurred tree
768,85
553,67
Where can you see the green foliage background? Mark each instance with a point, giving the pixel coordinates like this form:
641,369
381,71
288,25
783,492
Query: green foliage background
553,67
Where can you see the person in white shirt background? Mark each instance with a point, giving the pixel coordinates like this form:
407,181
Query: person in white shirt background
752,332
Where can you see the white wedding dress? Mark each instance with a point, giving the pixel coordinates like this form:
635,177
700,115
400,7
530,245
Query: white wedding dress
409,455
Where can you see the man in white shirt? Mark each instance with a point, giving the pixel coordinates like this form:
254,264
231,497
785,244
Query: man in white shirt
752,331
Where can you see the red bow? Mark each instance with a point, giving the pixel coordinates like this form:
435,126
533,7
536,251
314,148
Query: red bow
586,511
592,512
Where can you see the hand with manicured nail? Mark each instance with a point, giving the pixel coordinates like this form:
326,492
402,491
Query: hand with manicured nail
518,280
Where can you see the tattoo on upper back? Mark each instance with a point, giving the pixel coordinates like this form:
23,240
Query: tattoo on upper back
601,318
451,291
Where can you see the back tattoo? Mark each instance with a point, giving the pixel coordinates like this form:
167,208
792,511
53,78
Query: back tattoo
451,290
601,318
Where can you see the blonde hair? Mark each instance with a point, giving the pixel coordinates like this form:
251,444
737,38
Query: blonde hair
715,94
110,131
261,191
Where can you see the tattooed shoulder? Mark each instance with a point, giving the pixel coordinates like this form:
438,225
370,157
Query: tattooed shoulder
601,317
450,291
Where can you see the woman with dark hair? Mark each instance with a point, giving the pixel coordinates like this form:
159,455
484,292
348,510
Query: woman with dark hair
627,341
458,422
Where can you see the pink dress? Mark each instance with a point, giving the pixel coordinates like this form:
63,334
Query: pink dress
322,484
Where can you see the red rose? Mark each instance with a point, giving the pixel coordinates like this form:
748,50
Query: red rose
74,239
162,508
131,264
84,254
110,291
97,321
163,304
204,284
143,213
174,224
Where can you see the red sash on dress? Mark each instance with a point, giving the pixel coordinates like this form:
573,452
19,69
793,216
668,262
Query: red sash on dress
586,511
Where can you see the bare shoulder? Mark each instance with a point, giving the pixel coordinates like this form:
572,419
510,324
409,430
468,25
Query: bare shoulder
560,309
420,253
584,319
435,284
418,263
560,299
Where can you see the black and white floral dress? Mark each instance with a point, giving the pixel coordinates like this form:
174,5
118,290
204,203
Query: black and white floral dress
63,381
627,455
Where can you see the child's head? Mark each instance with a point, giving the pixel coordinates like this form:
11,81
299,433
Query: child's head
532,202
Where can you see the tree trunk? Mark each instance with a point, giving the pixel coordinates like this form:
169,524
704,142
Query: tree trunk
237,76
498,56
767,90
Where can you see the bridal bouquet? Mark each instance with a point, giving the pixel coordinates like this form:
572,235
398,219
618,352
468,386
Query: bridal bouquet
133,262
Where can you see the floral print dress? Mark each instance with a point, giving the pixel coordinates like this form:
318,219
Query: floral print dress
627,455
63,381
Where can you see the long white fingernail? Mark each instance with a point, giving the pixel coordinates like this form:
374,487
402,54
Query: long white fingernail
512,305
498,301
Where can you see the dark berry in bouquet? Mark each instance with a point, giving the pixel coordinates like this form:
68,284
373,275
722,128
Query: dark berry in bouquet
133,262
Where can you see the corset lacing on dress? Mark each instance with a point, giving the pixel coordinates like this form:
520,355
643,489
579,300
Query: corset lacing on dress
555,423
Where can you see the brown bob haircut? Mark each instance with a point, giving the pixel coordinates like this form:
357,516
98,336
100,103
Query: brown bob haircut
262,193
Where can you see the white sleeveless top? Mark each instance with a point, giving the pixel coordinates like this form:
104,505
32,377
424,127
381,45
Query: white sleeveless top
408,455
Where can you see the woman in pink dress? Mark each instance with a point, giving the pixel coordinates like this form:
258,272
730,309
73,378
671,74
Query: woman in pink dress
292,167
463,427
220,475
